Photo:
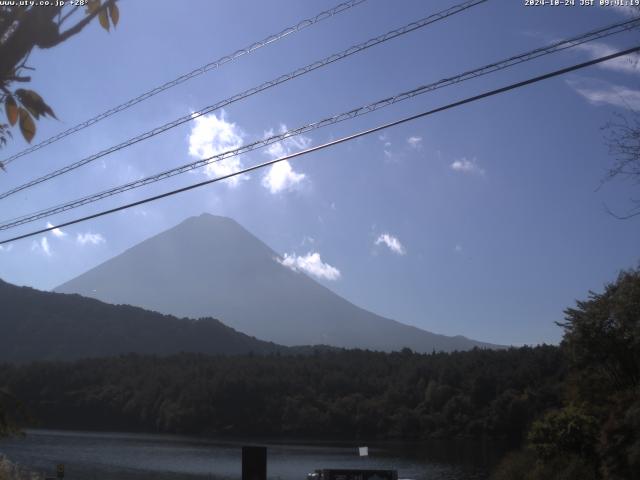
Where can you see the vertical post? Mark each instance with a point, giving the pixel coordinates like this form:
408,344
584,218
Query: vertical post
254,463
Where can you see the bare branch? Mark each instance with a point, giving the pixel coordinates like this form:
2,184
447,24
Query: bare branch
78,27
622,217
67,15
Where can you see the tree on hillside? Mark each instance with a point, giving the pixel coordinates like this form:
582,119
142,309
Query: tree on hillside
596,433
602,334
25,27
623,140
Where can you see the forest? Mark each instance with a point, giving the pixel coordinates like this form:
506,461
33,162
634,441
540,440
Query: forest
335,394
571,411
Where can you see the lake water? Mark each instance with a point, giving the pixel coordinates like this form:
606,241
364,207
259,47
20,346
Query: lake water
127,456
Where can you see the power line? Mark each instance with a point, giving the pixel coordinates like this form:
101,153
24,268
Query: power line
252,91
449,106
188,76
362,110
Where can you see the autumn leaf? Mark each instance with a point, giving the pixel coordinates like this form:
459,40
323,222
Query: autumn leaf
34,103
103,17
115,13
27,125
11,108
92,6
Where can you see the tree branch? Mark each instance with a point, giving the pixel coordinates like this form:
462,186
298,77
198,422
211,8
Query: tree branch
78,27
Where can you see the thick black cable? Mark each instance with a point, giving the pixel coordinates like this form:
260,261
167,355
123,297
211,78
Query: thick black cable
188,76
449,106
441,15
362,110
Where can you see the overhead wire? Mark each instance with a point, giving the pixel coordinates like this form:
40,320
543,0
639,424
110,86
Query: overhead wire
342,7
332,143
359,111
410,27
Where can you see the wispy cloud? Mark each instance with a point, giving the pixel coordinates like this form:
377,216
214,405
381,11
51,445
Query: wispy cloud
56,232
457,248
308,240
392,243
42,247
415,142
625,64
627,11
384,139
281,176
212,135
470,167
311,263
603,93
6,248
90,239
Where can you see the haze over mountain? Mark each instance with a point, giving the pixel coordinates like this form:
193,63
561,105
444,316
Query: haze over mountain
38,325
210,266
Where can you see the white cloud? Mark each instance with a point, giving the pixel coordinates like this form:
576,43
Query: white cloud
42,247
392,243
625,64
6,248
625,10
458,248
212,135
308,240
602,93
281,175
90,238
467,166
415,142
56,231
312,264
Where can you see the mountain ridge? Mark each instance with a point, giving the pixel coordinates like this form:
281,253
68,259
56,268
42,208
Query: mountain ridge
211,266
42,326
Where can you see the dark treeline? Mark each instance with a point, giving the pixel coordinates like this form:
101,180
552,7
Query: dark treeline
574,409
338,394
595,434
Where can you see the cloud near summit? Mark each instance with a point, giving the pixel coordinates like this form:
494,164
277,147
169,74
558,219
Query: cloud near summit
312,264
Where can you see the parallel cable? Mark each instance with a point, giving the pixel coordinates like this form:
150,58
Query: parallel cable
252,91
354,136
362,110
188,76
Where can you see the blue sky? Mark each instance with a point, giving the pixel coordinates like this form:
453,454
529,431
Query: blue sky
485,220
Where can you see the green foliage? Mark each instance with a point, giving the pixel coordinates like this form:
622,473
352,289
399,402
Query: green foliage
346,394
601,438
24,27
524,465
620,441
564,432
602,334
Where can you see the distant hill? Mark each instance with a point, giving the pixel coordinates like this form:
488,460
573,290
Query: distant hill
210,266
36,325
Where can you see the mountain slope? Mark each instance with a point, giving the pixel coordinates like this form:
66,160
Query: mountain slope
36,325
211,266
